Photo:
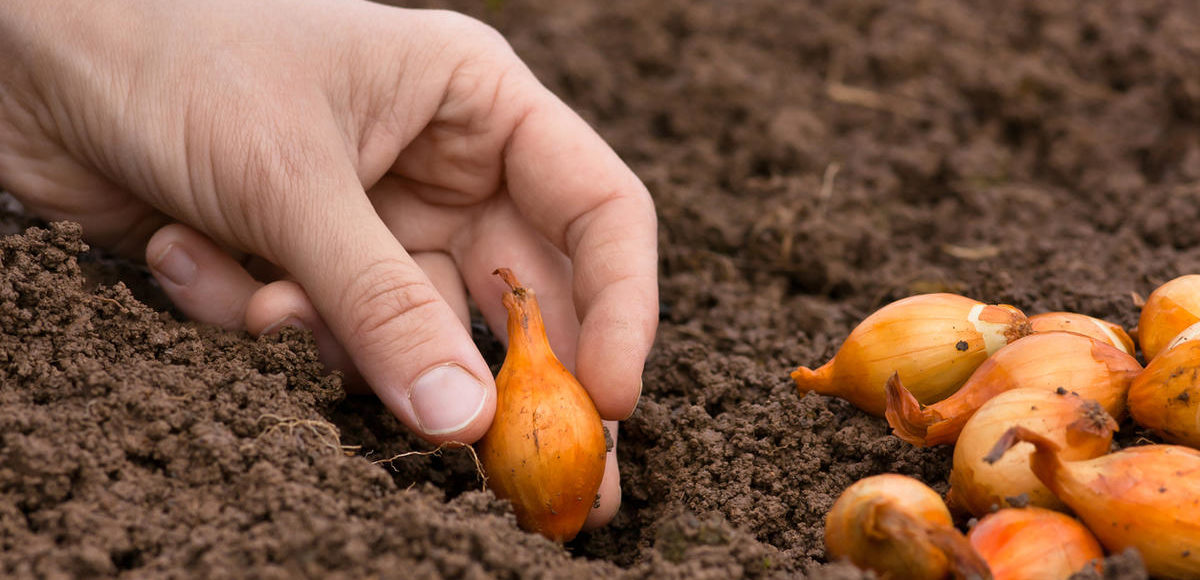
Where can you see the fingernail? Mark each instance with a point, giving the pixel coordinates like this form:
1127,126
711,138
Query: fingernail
637,401
446,399
175,265
288,320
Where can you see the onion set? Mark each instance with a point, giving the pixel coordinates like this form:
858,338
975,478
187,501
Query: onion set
901,529
1170,308
1033,542
1047,360
933,341
1165,397
1101,330
545,450
1080,427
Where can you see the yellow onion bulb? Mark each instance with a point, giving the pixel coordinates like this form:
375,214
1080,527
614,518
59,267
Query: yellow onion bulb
933,341
1147,498
1097,328
901,529
1188,334
1033,542
1079,426
1168,310
1165,397
545,451
1044,360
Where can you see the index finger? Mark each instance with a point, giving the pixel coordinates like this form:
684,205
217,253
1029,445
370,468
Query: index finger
586,201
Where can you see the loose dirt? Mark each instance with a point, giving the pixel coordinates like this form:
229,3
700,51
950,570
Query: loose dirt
810,163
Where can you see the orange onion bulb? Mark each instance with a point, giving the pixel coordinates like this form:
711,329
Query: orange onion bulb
1045,360
1099,329
1165,397
545,450
1023,543
1079,426
901,529
934,342
1168,310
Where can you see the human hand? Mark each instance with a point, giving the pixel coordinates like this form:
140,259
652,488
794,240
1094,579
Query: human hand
378,163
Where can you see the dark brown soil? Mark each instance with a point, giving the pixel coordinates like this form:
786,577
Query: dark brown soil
810,161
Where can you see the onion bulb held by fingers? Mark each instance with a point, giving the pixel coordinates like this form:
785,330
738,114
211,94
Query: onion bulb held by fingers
1101,330
1168,310
1080,426
545,450
1144,497
1165,397
1034,543
901,529
1045,360
934,341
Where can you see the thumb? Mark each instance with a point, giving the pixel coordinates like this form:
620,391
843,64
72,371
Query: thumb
407,342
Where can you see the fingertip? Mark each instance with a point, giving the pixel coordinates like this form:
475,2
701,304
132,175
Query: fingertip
169,258
448,403
608,500
276,302
159,240
616,399
611,359
203,281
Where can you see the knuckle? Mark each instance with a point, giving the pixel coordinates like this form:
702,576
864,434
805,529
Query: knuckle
458,26
388,304
478,48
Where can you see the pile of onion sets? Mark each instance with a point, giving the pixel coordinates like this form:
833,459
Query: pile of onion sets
1030,404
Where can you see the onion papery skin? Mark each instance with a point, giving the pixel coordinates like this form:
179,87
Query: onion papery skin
1097,328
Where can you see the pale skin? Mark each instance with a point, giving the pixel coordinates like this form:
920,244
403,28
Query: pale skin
340,166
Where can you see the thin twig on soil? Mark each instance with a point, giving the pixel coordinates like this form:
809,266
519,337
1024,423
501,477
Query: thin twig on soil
971,252
839,92
870,99
826,192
